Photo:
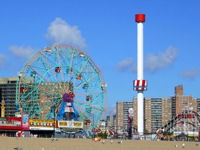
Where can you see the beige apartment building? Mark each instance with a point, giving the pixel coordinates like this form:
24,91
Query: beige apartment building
122,115
158,111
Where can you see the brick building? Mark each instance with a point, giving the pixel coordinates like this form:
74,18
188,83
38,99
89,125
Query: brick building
122,114
158,111
183,103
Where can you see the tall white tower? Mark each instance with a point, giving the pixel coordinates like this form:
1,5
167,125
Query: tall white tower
140,85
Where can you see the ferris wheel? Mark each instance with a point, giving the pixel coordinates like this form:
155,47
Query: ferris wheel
61,83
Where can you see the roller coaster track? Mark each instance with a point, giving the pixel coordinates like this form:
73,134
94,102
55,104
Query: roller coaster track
182,116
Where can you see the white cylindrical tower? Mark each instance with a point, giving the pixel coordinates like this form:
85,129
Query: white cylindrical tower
140,84
140,50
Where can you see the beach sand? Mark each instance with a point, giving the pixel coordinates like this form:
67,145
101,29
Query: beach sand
9,143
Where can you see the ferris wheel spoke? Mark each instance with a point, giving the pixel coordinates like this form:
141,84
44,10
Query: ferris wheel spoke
58,107
88,104
52,71
82,112
46,99
40,88
47,108
79,74
70,70
90,93
61,69
85,83
45,79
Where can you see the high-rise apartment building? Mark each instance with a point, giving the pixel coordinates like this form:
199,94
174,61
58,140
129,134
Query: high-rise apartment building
158,111
8,94
183,103
119,115
122,114
166,110
198,105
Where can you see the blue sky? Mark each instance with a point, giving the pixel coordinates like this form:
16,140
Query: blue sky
106,30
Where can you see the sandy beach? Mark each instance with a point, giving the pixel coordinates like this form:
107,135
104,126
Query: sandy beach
9,143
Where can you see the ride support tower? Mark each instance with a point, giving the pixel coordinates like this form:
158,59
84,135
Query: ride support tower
140,84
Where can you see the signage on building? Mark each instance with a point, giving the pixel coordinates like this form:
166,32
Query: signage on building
25,121
78,124
42,124
62,124
70,124
186,116
11,123
189,133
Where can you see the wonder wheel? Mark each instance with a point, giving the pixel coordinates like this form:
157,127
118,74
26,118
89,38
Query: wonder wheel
61,83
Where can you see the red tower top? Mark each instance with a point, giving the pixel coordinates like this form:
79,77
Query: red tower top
140,17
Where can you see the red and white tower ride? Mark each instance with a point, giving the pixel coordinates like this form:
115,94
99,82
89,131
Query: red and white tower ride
140,85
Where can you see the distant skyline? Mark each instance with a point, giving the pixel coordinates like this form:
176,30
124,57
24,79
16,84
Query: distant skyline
107,32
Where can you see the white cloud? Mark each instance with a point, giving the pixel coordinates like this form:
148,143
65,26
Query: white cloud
60,32
162,60
190,73
152,63
21,51
127,65
2,60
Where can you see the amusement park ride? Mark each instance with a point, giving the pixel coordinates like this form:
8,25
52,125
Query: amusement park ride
62,83
186,123
140,85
